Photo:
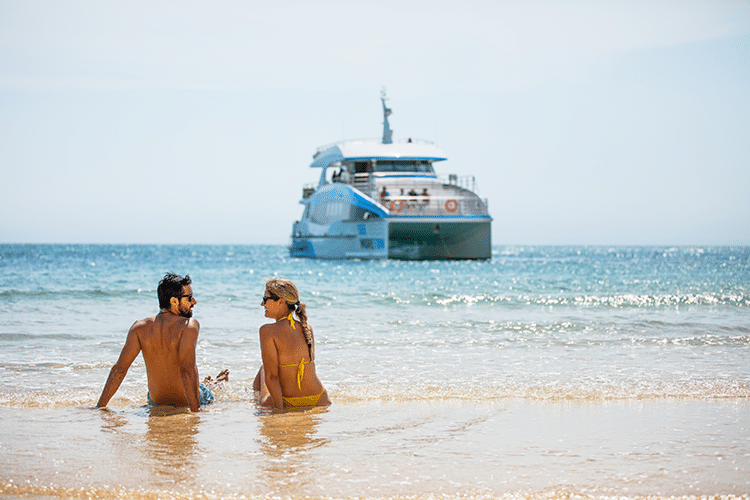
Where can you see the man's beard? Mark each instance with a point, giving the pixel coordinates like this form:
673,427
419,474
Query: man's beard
188,313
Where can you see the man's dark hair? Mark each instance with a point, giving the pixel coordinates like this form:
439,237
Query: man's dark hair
171,286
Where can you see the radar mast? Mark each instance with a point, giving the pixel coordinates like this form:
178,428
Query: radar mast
387,132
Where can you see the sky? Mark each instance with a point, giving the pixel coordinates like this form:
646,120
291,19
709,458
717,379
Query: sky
600,122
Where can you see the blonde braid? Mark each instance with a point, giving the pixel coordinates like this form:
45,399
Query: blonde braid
306,328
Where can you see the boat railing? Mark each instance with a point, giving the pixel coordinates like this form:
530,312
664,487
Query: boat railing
364,182
462,181
435,205
420,204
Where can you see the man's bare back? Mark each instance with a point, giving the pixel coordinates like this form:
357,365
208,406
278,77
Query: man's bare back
168,342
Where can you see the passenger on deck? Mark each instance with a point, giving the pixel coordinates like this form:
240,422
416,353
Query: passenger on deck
384,195
344,176
413,197
425,198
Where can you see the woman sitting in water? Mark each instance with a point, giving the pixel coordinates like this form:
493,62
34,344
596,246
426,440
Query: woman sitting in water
287,377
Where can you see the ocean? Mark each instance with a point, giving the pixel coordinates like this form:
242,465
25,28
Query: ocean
546,372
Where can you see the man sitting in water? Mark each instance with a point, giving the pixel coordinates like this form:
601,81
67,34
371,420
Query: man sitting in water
168,342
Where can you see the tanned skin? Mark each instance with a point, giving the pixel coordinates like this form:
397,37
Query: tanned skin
280,344
167,341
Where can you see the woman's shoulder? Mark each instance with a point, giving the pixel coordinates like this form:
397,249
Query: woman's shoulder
268,329
276,329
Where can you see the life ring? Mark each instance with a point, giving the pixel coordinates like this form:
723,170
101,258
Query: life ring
397,205
451,205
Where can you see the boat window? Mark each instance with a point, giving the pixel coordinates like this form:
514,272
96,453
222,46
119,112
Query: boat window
359,213
425,166
329,212
404,166
361,167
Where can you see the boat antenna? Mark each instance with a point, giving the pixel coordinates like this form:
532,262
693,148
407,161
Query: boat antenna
387,132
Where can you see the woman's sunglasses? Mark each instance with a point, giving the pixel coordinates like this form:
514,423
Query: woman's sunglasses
268,297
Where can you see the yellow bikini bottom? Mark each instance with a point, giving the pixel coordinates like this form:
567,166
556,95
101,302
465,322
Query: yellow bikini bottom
303,400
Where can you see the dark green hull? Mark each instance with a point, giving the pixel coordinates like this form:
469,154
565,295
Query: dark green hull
440,240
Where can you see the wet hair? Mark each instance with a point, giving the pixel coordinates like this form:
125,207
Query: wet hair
171,286
285,290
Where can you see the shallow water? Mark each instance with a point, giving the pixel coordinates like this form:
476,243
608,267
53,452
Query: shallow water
550,372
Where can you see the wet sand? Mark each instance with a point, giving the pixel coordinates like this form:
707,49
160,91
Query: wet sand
447,448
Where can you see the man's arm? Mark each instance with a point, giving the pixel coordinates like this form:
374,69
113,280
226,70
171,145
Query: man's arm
188,366
271,366
130,351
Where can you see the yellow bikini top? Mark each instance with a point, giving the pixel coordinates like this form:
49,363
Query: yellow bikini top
300,371
291,320
301,365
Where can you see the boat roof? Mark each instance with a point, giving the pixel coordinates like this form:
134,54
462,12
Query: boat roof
373,150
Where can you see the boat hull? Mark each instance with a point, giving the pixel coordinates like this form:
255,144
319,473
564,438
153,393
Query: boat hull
440,239
345,240
404,239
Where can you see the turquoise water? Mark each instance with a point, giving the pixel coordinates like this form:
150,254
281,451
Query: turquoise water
565,370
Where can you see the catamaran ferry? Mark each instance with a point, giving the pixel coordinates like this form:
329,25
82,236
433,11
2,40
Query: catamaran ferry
380,199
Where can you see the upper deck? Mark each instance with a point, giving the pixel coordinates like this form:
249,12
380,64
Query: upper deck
399,176
373,151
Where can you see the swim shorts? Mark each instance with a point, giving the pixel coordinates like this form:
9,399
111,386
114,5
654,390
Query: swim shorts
205,397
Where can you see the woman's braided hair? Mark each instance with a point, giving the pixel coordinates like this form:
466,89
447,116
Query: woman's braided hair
285,289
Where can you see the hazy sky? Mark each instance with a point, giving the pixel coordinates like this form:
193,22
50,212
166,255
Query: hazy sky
584,122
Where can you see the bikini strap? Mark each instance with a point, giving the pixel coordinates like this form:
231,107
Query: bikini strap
300,373
291,320
300,370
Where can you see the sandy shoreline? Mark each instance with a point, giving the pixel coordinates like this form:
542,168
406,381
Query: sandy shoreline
516,448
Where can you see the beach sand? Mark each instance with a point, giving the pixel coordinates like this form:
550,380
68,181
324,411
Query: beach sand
387,449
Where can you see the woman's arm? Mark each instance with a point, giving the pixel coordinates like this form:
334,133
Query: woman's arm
271,365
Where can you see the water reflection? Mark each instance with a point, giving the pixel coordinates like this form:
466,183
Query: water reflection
112,422
161,455
287,440
171,443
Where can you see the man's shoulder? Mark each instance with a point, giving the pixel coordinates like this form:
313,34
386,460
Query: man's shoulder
173,321
143,323
192,324
187,325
